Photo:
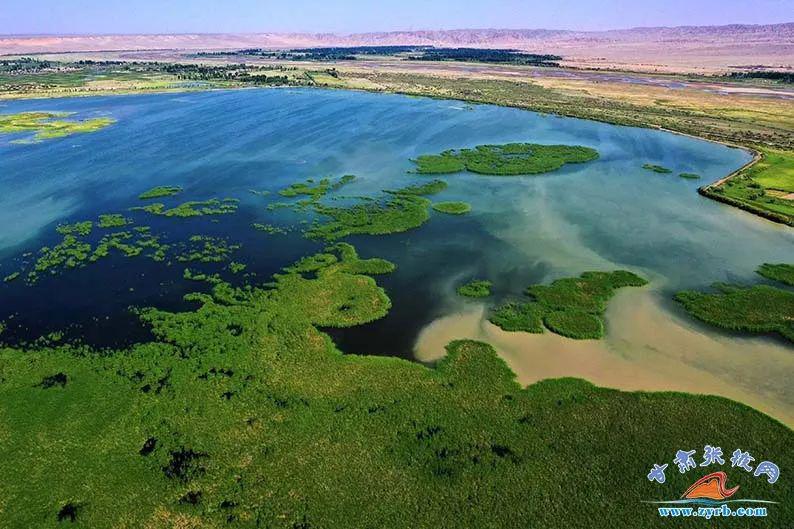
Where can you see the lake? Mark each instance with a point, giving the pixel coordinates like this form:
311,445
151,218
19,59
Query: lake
602,215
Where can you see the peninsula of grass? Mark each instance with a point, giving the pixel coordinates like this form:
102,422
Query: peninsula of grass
782,272
49,125
657,168
505,160
764,188
571,307
160,192
477,288
689,176
452,208
750,309
243,397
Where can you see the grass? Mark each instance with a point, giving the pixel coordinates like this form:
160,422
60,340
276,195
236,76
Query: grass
403,210
781,272
505,160
452,208
515,317
244,399
113,220
657,168
49,125
689,176
269,228
206,249
160,192
429,188
193,208
571,307
77,248
751,309
315,190
477,288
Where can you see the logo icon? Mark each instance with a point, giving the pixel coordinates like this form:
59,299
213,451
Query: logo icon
710,487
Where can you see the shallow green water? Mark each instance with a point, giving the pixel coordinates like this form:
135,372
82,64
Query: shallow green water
606,214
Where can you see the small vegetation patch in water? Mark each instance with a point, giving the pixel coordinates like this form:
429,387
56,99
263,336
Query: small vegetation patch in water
193,208
689,176
206,249
452,208
657,168
781,272
571,307
429,188
505,160
269,228
113,220
478,288
315,190
160,192
48,125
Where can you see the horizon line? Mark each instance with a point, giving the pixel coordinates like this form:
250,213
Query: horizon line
393,31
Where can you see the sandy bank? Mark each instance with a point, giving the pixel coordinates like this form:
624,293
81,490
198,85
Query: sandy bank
646,348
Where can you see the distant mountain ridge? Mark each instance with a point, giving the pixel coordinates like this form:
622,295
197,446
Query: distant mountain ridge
718,46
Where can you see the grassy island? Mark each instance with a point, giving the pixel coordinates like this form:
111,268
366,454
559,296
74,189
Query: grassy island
477,288
752,309
689,176
657,168
398,214
160,192
571,307
505,160
49,125
452,208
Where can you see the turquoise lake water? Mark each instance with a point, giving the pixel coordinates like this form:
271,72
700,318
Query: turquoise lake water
606,214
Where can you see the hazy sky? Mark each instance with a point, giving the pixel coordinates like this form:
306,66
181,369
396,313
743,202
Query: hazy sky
347,16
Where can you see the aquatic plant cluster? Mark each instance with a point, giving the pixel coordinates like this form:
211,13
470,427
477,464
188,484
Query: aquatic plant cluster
192,208
571,307
48,125
397,211
452,208
477,288
753,309
505,160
